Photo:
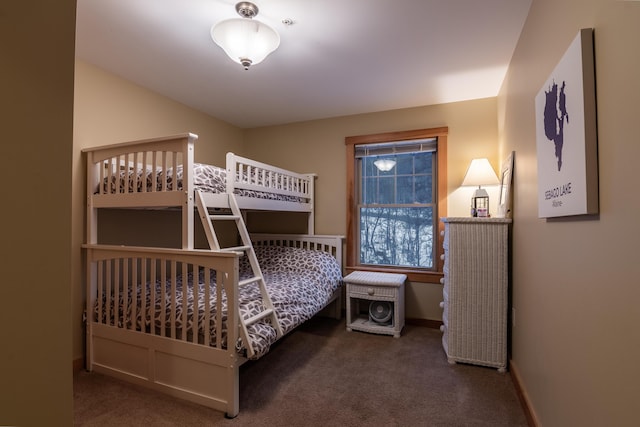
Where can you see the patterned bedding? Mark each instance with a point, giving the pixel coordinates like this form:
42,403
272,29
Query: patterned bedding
300,283
206,178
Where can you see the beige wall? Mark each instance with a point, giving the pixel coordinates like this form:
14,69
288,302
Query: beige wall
36,106
109,109
318,146
575,341
575,282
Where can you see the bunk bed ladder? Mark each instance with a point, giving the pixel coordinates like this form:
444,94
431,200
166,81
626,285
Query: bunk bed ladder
269,311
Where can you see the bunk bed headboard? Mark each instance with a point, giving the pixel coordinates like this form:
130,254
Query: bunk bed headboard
326,243
154,155
128,165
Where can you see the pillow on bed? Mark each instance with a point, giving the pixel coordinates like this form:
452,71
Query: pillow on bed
208,178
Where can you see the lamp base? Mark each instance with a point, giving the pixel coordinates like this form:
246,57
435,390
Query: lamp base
480,203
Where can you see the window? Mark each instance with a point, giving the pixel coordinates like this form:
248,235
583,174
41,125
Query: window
396,193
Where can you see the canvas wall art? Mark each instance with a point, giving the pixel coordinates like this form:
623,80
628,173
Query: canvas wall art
566,134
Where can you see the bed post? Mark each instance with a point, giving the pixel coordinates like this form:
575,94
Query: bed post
93,181
188,205
233,404
90,301
229,282
231,172
312,200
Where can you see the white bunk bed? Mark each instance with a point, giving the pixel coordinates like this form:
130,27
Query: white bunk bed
183,320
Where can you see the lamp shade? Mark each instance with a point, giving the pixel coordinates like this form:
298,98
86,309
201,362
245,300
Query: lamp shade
480,173
245,41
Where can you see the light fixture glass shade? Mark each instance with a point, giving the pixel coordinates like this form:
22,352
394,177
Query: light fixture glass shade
246,41
480,173
385,165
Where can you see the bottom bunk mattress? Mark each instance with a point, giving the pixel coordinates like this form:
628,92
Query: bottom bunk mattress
299,281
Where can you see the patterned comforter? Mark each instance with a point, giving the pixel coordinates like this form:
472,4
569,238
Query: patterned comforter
206,178
300,283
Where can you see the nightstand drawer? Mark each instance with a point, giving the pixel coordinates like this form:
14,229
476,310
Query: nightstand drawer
365,291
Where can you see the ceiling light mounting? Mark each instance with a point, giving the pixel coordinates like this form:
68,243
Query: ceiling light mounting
245,40
247,9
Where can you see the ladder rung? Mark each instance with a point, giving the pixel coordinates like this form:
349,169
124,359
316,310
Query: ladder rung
248,281
250,321
224,217
236,248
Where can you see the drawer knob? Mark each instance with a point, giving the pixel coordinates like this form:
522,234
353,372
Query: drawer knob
371,291
441,328
442,280
441,304
442,257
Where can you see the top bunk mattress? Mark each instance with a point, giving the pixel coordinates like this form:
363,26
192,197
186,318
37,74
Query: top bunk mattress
206,178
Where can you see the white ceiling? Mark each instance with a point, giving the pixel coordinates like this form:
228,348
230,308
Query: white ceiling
340,57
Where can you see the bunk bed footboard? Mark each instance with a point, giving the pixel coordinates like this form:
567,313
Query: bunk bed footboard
331,244
165,353
296,191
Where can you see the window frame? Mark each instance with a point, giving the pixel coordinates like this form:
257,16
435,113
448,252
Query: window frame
441,133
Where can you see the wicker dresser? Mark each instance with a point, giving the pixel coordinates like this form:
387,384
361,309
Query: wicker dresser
475,292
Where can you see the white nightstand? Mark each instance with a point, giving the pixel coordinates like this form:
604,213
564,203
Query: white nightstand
384,295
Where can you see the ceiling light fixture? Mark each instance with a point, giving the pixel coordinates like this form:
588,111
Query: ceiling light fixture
245,40
385,165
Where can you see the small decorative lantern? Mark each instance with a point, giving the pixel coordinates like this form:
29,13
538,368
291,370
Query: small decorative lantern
480,203
480,173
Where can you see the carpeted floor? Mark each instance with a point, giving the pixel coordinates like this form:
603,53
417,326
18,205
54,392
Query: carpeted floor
322,375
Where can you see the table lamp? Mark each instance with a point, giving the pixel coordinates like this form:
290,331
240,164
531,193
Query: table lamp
480,173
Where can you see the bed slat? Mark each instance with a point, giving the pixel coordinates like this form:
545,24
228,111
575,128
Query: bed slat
207,307
143,291
163,298
153,266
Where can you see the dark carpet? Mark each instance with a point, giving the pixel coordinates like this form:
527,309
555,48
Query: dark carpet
322,375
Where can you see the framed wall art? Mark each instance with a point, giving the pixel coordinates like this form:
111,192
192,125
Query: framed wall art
506,178
566,134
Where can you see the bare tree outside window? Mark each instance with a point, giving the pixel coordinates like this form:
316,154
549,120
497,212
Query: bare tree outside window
396,210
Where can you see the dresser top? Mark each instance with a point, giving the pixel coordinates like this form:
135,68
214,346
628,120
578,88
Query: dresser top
476,220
